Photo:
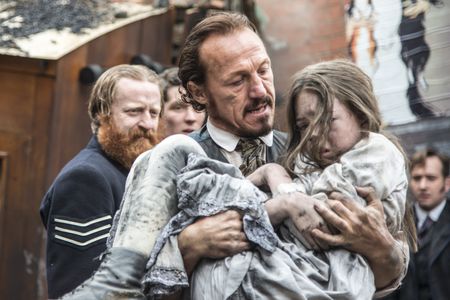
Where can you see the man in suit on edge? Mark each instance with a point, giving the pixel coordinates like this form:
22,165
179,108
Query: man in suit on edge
428,274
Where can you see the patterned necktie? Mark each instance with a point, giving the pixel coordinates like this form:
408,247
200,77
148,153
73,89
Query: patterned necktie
252,153
424,229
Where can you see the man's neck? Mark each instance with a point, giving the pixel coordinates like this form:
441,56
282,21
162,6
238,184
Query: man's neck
228,141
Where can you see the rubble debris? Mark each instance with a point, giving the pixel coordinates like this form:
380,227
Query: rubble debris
22,18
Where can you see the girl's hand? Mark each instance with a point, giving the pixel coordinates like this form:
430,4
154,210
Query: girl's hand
306,219
300,209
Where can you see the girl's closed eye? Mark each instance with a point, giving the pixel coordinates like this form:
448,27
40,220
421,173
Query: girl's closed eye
302,126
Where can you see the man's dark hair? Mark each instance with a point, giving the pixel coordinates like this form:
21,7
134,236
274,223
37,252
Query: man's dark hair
419,159
170,77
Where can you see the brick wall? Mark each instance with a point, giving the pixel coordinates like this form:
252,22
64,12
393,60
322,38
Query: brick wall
299,33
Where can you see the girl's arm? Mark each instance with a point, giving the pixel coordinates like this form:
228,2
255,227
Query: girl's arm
289,201
270,175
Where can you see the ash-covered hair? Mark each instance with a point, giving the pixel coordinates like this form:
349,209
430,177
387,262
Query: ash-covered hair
191,66
105,89
340,79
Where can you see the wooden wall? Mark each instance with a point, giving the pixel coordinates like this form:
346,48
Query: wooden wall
43,124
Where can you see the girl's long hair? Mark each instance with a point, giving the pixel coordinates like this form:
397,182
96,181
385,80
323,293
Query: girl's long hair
344,81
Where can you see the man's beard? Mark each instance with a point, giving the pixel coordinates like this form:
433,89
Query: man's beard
124,147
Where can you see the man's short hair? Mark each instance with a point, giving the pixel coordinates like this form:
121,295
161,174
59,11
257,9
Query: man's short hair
105,88
190,64
419,159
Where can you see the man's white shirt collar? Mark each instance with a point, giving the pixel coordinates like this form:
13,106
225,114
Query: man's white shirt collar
433,214
229,141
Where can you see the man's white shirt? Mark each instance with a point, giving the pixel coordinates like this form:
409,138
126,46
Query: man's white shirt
433,214
228,142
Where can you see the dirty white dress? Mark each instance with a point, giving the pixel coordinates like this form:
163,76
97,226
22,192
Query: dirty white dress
290,270
374,161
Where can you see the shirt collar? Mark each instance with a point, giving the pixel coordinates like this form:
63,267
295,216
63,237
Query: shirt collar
229,141
433,214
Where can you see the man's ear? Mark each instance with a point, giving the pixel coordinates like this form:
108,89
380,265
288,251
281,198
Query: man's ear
447,184
198,92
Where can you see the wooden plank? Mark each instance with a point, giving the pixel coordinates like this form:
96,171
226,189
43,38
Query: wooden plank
27,65
12,218
22,228
17,100
156,37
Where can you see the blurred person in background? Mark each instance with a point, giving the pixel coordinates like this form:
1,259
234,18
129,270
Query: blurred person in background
428,274
178,116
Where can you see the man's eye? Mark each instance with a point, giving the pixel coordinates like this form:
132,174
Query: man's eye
263,70
237,82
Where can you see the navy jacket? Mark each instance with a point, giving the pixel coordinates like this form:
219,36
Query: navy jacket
77,212
213,150
438,264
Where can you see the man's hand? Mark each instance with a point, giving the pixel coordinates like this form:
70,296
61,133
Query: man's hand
361,228
217,236
364,231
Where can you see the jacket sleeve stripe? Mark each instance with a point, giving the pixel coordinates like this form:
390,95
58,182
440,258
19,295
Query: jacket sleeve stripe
59,220
79,243
82,233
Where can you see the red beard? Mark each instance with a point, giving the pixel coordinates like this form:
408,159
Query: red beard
124,147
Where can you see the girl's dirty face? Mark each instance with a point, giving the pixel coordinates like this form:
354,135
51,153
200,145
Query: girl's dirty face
345,130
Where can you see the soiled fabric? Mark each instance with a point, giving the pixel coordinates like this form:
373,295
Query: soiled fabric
374,161
273,270
206,187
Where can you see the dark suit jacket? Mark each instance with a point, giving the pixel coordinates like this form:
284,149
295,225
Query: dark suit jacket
77,212
213,150
438,264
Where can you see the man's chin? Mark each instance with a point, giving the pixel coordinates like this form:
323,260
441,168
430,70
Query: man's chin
254,132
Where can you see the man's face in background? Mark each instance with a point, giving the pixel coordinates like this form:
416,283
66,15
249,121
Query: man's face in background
131,127
428,184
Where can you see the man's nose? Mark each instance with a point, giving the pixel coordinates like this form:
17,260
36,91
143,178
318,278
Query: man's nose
257,88
148,122
423,183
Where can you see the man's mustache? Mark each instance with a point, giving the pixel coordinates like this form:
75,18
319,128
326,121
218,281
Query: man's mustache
138,133
263,101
